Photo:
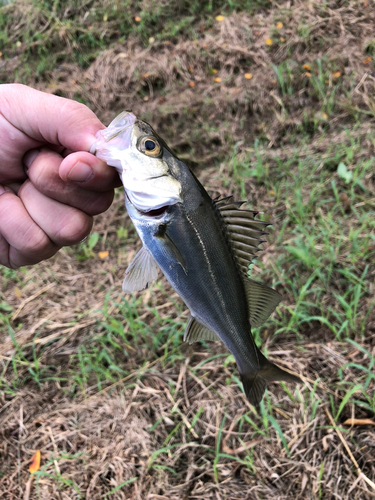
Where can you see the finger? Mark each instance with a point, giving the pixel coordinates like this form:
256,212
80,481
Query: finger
44,174
48,118
22,241
89,172
63,225
13,144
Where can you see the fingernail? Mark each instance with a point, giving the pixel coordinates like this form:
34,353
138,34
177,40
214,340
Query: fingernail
80,172
30,157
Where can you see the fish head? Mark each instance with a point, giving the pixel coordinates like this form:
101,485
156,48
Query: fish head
140,157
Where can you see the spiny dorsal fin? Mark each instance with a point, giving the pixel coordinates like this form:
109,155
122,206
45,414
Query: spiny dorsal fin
261,300
141,272
195,331
243,230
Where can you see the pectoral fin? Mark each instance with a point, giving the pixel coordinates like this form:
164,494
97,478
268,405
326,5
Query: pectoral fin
262,301
170,248
195,331
141,272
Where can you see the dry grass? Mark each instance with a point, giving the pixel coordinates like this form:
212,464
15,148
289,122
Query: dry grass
103,385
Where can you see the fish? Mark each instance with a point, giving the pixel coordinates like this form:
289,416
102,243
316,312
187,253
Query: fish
203,246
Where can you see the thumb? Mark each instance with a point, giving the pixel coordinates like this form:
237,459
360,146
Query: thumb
49,118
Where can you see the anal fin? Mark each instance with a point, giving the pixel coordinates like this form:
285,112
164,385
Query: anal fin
195,332
141,272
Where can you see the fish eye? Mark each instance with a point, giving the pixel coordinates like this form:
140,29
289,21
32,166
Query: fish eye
149,147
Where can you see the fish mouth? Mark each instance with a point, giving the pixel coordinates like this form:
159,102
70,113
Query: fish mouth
120,128
154,212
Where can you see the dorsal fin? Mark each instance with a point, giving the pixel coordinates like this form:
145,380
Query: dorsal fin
261,301
243,230
245,234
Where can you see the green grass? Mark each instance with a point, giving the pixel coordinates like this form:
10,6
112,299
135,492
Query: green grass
52,34
324,245
321,250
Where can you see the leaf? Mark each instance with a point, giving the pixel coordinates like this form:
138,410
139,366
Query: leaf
5,307
103,255
359,421
35,462
229,360
344,173
346,398
92,240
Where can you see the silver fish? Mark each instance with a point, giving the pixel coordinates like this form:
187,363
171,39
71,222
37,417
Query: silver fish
204,247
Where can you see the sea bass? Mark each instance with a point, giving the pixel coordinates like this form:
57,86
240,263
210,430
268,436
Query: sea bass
203,246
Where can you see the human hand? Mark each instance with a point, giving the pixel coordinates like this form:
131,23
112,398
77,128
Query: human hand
50,186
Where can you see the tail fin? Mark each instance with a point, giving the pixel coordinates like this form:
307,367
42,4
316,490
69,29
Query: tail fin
255,383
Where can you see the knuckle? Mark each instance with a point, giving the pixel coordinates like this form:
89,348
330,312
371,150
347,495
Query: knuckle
43,171
99,203
35,241
74,228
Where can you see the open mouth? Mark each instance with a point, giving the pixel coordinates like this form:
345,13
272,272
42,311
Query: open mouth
115,138
149,213
156,212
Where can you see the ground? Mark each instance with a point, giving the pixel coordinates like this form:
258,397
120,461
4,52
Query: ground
273,103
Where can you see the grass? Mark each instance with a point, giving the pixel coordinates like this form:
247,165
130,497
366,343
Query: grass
102,384
77,32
